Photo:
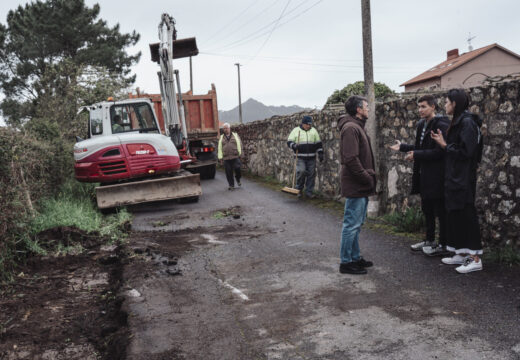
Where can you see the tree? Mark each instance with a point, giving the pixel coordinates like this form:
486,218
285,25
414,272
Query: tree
358,88
74,85
40,37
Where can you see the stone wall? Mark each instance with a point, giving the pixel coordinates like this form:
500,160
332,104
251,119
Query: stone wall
498,199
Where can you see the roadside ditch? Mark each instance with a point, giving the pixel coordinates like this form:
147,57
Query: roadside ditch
66,306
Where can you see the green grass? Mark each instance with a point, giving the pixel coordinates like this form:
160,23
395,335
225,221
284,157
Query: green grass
75,207
507,255
409,221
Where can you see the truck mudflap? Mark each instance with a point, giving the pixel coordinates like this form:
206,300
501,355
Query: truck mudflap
184,185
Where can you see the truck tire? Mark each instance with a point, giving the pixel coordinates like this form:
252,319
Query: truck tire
187,200
208,172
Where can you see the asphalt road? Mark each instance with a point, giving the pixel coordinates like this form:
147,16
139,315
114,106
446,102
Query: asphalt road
259,280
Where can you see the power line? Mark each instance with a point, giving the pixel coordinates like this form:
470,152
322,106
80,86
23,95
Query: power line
246,22
231,21
260,35
272,30
247,37
289,61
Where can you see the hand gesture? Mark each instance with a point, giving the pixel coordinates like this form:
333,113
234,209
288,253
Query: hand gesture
409,156
438,138
396,146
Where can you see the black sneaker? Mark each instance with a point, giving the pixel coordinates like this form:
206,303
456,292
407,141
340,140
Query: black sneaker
239,183
351,268
231,188
363,263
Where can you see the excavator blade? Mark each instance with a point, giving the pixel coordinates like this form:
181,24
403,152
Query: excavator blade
180,49
185,185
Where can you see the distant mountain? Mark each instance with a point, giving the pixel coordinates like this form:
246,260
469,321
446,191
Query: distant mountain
254,110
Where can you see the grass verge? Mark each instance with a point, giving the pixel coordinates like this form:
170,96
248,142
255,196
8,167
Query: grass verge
73,207
507,255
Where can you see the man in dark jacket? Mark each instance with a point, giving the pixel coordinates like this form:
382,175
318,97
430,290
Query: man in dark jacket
358,182
428,174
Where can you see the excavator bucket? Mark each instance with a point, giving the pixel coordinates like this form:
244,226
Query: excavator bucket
181,48
185,185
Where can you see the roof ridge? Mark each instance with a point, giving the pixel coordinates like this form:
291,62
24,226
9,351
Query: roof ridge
448,65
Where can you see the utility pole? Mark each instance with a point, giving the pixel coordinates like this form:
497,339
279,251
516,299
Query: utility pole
368,69
239,94
191,77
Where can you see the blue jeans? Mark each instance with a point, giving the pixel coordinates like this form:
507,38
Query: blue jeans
353,217
305,174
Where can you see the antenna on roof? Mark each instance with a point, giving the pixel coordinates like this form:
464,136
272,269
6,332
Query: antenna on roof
470,47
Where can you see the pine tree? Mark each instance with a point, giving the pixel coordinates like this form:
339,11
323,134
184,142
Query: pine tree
42,35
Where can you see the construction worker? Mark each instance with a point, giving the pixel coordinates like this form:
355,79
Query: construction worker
305,141
117,125
229,150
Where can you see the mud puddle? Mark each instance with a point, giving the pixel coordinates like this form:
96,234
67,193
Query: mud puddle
66,307
191,220
158,252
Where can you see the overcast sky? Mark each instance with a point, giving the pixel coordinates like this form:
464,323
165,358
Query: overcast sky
297,52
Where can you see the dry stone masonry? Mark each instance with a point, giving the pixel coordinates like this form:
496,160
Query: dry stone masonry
498,190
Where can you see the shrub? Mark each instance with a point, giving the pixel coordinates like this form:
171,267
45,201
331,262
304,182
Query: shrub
410,221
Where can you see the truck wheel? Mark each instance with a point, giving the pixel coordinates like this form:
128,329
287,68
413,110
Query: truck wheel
190,199
208,172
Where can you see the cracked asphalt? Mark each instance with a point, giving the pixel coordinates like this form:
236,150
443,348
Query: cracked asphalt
253,274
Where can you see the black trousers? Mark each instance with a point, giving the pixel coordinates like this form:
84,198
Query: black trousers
464,230
231,166
432,209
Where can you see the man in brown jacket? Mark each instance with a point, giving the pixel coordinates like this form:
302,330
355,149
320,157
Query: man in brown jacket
358,181
229,150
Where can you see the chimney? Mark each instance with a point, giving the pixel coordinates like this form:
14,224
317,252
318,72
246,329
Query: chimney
452,54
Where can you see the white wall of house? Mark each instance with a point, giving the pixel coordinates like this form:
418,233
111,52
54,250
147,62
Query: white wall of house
492,63
433,84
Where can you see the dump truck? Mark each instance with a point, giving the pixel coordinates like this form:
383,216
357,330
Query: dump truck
201,114
127,153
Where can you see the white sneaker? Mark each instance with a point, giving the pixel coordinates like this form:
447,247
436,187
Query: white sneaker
469,265
455,260
419,246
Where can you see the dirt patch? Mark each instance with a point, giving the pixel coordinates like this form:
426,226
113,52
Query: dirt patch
68,236
66,307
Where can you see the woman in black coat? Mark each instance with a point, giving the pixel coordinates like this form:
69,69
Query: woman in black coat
463,148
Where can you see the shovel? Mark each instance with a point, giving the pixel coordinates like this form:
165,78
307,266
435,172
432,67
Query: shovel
293,190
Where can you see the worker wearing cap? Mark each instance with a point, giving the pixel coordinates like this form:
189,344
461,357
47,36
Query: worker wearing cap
305,141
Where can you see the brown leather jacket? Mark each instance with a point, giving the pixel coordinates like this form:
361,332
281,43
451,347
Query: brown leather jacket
358,177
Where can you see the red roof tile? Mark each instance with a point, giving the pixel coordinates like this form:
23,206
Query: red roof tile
448,65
